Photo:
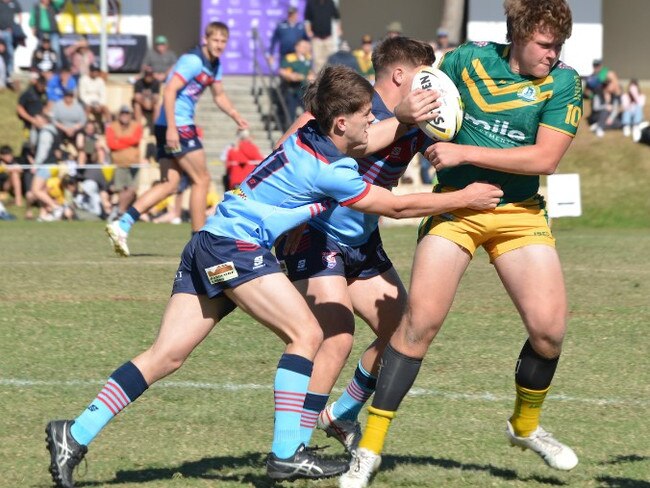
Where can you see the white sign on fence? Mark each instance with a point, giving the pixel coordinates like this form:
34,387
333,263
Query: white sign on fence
564,195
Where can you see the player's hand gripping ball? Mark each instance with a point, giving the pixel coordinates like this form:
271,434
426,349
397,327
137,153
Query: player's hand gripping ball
449,118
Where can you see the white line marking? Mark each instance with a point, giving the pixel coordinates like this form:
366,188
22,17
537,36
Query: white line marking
197,385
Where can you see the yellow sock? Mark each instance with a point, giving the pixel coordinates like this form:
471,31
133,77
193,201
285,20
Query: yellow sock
528,407
376,429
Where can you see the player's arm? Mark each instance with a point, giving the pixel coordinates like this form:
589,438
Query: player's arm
378,200
541,158
223,102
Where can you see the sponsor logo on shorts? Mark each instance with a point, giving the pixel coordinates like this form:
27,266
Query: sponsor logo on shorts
258,262
542,233
221,272
381,254
179,275
302,265
329,259
283,267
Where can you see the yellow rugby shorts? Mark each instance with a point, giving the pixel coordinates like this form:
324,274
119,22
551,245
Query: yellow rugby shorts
503,229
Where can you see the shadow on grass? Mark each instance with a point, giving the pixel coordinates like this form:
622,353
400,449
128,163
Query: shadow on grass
628,458
221,468
251,471
614,482
390,462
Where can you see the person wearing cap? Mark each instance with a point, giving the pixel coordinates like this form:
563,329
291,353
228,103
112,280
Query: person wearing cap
123,137
364,58
58,83
42,20
44,58
319,16
394,29
160,58
92,94
31,103
146,97
286,34
69,117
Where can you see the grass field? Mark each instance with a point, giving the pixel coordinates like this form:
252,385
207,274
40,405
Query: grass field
71,312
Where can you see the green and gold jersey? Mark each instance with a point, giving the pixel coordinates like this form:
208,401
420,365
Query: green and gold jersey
504,109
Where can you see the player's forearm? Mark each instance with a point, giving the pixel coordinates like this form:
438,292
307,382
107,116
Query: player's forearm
524,160
425,204
381,135
225,105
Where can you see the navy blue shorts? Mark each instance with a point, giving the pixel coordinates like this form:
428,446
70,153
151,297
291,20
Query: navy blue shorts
188,138
320,255
211,264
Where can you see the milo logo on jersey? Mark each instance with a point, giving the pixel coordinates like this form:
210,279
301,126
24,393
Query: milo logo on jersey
497,127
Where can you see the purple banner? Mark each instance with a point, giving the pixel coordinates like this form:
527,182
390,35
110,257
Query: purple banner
242,16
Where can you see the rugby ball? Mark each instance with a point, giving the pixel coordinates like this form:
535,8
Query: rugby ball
449,116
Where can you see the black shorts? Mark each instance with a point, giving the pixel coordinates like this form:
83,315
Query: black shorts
188,139
320,255
211,264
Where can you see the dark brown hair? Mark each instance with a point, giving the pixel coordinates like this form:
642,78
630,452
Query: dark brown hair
400,49
339,91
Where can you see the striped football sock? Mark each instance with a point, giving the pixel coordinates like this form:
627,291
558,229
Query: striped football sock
314,403
290,390
350,403
123,387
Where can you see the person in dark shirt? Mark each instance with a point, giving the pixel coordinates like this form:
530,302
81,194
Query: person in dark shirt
319,15
31,103
44,57
8,11
344,57
146,97
286,34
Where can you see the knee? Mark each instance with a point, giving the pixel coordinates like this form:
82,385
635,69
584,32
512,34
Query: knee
309,338
337,348
546,334
421,328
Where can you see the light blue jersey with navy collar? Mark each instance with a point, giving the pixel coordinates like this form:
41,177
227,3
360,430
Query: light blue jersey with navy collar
384,168
305,177
197,73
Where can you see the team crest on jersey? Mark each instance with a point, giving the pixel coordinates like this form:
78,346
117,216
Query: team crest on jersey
396,151
221,272
204,79
329,259
529,93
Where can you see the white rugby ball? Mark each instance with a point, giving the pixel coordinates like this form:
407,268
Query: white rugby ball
449,116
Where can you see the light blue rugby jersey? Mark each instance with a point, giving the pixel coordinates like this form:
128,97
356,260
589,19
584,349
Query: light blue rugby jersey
306,176
384,169
197,73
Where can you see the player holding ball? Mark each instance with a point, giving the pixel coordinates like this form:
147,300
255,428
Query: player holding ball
522,109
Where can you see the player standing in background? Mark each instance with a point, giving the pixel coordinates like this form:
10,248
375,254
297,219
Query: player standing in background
339,265
229,263
522,107
179,146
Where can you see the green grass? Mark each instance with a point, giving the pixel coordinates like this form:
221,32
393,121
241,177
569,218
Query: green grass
71,312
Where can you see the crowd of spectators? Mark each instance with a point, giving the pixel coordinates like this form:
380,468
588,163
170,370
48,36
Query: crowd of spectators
78,160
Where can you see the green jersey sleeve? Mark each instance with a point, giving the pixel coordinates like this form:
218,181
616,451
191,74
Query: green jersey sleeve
563,110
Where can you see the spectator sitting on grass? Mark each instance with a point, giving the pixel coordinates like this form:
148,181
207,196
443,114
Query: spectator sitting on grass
11,175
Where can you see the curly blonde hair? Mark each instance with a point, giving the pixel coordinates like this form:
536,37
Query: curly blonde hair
525,17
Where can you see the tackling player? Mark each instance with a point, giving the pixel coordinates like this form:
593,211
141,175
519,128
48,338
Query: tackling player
179,146
229,263
338,262
523,107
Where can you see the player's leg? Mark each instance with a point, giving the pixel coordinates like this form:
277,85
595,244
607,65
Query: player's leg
187,320
194,165
328,300
290,319
533,278
430,297
380,301
118,231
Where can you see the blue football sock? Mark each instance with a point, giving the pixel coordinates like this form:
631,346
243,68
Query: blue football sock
290,390
123,387
351,401
129,218
314,403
